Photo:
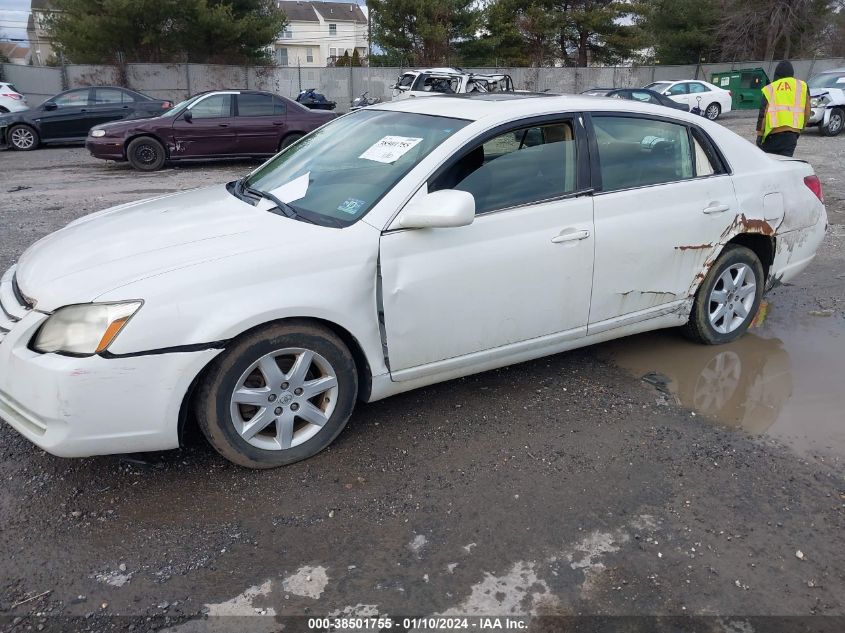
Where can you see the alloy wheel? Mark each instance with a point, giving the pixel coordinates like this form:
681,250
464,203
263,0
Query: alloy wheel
732,298
712,111
22,138
284,399
835,123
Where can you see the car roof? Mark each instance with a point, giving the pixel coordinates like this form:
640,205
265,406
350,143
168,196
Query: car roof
832,71
489,106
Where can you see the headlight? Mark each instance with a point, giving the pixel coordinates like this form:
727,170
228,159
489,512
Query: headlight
98,133
84,330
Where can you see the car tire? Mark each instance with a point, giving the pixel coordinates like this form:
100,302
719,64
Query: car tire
713,111
23,138
289,140
145,154
724,304
834,124
276,368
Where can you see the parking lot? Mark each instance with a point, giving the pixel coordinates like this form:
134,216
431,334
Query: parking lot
647,476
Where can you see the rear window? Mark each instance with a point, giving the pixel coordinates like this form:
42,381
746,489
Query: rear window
256,105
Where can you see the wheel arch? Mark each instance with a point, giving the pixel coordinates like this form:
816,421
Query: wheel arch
187,422
761,245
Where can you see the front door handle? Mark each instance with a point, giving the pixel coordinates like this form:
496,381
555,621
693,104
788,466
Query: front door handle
715,207
568,235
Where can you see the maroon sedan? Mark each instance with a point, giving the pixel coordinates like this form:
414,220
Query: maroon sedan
218,124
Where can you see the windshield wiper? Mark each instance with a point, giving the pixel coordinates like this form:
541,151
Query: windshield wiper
287,209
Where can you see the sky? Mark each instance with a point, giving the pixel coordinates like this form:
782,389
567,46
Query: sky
13,15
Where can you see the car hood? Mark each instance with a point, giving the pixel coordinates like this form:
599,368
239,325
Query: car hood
816,92
127,124
110,249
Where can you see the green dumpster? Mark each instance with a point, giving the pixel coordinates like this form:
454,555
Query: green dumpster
745,85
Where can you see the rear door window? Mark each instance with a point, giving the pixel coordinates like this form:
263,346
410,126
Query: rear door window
250,105
109,95
698,87
638,152
678,89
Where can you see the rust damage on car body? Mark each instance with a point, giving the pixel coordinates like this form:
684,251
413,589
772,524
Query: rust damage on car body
741,224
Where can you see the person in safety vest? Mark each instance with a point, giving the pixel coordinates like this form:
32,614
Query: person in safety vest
784,110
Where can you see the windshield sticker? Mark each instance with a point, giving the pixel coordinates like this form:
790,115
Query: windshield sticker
351,206
840,80
293,190
390,149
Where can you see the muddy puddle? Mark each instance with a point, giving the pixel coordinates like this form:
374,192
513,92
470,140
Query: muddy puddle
784,379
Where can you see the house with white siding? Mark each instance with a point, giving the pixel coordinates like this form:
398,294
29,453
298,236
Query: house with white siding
319,33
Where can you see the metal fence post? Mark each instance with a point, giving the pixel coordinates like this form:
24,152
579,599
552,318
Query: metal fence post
63,70
188,78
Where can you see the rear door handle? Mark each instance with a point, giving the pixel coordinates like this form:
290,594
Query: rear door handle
716,207
568,235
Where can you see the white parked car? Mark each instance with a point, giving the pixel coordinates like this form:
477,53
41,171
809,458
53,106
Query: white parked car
695,93
395,247
433,81
11,100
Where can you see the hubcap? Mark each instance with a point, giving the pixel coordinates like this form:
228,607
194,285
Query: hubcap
732,298
835,123
23,138
284,398
712,111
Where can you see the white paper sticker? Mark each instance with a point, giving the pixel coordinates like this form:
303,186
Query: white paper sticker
390,149
840,80
293,190
726,81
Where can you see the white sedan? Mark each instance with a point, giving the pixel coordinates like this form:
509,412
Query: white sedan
711,100
11,100
398,246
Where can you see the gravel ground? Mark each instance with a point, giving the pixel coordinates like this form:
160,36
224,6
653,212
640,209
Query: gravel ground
560,487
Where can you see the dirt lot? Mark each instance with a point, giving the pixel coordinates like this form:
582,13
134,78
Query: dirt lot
565,486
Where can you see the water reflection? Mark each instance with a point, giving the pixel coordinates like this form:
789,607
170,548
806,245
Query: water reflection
782,379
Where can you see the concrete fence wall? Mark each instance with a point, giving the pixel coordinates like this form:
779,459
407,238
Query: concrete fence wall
178,81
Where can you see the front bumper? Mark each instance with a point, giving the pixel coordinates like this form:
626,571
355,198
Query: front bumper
105,148
78,407
816,116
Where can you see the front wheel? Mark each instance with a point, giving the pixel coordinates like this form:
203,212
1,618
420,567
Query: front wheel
146,154
713,111
22,138
278,395
835,123
728,298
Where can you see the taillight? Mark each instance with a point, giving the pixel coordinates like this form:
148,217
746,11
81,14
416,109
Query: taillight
12,95
815,185
730,93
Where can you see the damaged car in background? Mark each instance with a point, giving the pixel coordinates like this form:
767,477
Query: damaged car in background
396,247
217,124
827,100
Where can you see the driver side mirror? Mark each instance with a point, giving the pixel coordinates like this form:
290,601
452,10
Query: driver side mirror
50,106
439,210
188,116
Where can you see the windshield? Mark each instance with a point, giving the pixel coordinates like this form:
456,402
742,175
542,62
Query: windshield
343,169
659,86
828,80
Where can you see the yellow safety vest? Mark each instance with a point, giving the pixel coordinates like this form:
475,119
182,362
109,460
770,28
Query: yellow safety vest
787,102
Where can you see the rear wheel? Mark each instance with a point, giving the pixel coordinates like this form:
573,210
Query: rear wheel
289,140
835,123
278,395
713,111
146,154
22,137
728,298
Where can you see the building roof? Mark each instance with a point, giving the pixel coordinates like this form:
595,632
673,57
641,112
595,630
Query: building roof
14,51
298,11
